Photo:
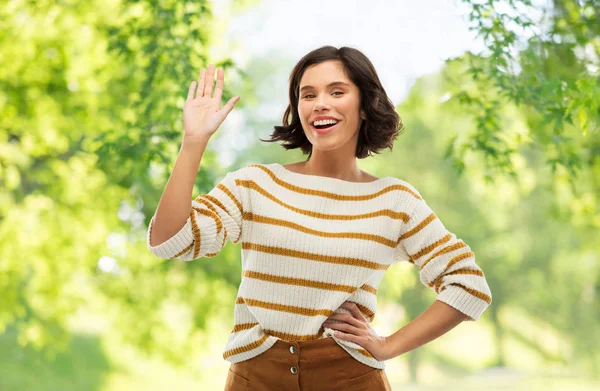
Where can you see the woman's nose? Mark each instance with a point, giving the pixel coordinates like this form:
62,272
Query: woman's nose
321,102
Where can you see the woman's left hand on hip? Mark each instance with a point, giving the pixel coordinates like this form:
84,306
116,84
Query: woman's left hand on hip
354,327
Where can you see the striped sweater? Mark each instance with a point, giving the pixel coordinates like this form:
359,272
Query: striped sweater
309,243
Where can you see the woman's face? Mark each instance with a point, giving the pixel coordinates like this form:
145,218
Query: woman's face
325,91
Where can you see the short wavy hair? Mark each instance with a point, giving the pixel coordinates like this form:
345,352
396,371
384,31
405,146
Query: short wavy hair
382,124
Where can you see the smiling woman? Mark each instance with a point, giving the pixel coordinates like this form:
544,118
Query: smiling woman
343,86
317,239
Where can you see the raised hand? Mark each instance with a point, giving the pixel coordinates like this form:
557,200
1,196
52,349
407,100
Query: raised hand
202,113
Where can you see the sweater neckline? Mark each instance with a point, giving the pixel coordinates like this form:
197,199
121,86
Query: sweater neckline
313,179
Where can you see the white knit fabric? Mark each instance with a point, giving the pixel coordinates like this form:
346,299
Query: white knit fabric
309,243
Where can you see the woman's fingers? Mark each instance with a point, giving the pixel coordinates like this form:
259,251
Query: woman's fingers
191,90
343,327
201,78
219,86
346,318
353,308
204,87
229,105
208,82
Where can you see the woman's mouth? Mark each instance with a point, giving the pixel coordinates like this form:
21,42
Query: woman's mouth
325,130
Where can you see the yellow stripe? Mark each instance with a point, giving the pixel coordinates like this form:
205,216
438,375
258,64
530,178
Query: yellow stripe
369,288
314,256
248,216
444,251
428,249
298,310
278,334
474,292
299,282
419,227
308,283
455,246
200,199
196,232
385,212
230,194
333,196
286,337
217,202
245,348
283,336
243,326
214,216
294,337
364,353
284,308
459,258
437,283
185,250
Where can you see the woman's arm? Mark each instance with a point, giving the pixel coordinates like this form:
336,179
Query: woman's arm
438,319
174,205
202,116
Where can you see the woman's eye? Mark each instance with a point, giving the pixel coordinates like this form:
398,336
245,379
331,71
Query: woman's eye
310,95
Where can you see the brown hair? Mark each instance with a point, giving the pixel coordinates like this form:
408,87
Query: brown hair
382,124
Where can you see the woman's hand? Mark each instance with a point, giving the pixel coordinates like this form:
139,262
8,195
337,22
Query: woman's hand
202,114
354,328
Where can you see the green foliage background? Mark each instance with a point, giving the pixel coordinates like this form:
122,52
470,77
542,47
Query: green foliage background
503,144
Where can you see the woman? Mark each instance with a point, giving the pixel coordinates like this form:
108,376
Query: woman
317,236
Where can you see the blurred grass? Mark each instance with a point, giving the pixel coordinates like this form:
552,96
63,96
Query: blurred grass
99,362
82,366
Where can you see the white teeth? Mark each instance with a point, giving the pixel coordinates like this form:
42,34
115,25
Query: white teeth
325,122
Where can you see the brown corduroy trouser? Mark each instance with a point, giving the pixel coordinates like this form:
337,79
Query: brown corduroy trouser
317,365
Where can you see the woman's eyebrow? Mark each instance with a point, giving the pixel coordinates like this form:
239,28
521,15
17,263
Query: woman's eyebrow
328,85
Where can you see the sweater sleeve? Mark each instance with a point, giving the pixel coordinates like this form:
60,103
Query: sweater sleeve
214,218
446,263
